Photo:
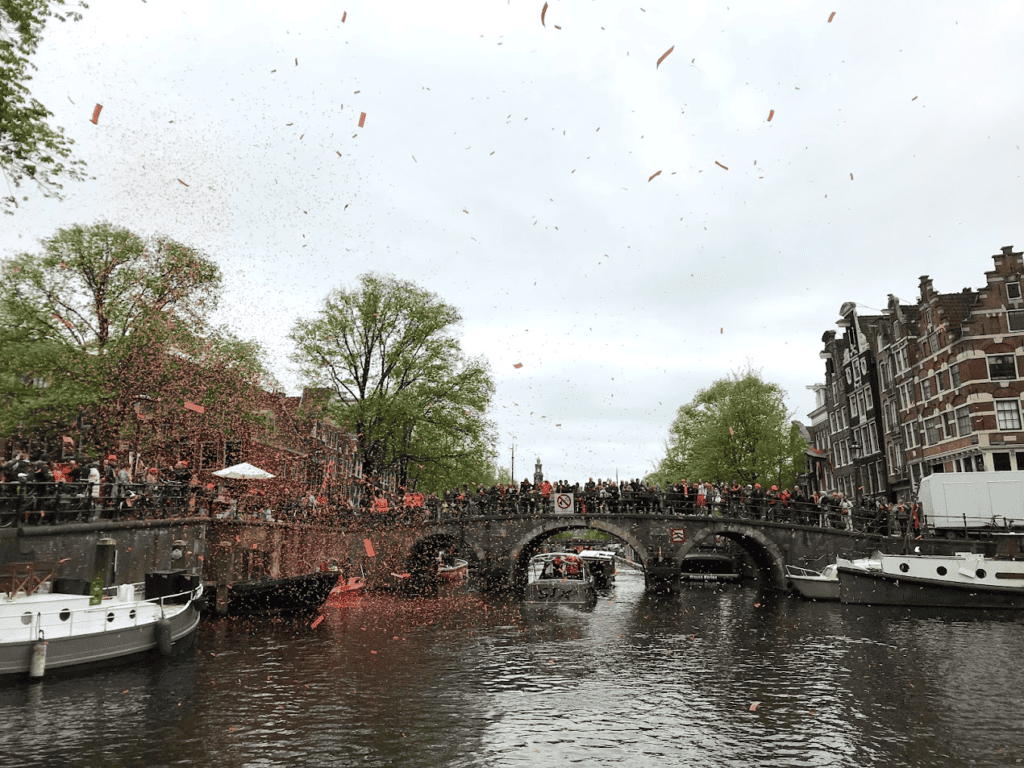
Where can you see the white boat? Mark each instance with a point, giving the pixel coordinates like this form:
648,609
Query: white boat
824,584
560,577
42,629
961,580
602,566
457,571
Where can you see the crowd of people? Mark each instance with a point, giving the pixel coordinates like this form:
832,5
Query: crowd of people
39,492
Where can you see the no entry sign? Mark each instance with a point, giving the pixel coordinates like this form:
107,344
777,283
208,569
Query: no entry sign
563,504
677,535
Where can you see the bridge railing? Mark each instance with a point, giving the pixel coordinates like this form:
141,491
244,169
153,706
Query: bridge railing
57,503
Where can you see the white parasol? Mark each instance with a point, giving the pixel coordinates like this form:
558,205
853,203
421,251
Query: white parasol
243,471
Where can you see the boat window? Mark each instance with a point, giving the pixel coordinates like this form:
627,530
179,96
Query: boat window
904,567
64,614
980,573
941,570
131,614
110,616
1010,575
26,618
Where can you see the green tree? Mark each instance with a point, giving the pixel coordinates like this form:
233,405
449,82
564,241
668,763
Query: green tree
103,319
736,429
389,352
30,149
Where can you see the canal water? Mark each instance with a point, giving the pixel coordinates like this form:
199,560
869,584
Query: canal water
712,676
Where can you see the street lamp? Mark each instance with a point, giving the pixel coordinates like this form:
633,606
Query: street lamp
855,447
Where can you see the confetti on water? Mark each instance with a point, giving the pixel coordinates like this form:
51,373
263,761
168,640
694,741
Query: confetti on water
754,706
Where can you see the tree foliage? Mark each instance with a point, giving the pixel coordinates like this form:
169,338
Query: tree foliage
736,429
389,352
30,149
112,327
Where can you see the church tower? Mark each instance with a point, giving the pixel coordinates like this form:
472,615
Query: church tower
538,473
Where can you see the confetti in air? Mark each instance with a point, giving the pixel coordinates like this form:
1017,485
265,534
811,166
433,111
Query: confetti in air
182,182
771,114
518,365
96,114
368,546
664,56
653,175
344,15
193,407
362,119
543,13
721,166
851,177
831,16
316,623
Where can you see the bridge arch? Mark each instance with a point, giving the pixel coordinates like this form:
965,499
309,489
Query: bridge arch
765,553
525,547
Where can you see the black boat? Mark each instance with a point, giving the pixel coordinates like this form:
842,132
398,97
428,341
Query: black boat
291,596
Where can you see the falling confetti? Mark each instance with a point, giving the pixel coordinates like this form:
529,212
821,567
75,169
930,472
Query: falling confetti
182,182
914,99
771,114
653,175
831,16
344,15
316,623
368,546
663,56
754,706
518,365
721,166
362,119
190,406
851,177
96,114
543,13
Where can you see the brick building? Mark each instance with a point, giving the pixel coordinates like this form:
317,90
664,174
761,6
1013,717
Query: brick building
939,388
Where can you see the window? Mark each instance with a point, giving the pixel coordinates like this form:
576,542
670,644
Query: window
909,433
1001,462
906,396
1020,459
926,389
963,420
210,456
865,403
232,453
954,374
1007,414
1015,319
943,380
1013,290
853,406
949,423
902,360
1002,367
933,430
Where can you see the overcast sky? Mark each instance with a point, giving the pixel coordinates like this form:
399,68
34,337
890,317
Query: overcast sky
504,164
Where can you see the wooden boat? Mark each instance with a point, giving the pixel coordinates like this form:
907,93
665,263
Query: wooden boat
291,596
602,565
823,584
961,580
48,623
457,571
560,577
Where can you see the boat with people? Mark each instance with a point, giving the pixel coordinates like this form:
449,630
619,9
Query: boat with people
602,565
457,570
824,584
961,580
559,577
51,623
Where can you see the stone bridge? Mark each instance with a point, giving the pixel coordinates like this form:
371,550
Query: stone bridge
502,546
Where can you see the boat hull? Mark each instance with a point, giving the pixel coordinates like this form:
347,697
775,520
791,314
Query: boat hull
816,588
561,591
292,596
859,587
98,647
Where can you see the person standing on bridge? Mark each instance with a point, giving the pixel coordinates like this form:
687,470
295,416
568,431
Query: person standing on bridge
545,496
846,510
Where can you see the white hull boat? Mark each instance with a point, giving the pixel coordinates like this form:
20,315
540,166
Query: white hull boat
824,584
560,577
42,630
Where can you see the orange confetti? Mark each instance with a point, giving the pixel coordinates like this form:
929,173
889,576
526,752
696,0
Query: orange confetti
190,406
96,114
518,365
721,166
344,15
721,330
771,114
831,16
663,56
368,546
851,177
543,13
373,652
754,706
316,623
362,119
656,173
182,182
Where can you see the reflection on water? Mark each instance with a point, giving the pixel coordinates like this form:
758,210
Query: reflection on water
636,680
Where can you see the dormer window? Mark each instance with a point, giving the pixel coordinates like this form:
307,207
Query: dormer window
1013,291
